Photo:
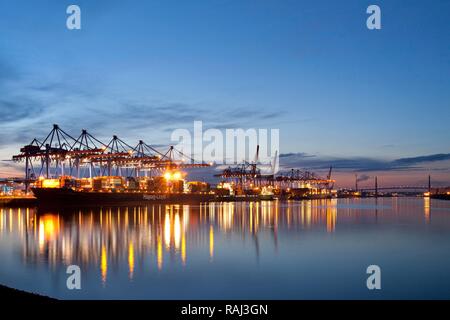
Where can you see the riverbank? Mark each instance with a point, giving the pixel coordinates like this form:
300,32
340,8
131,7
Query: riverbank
443,196
7,293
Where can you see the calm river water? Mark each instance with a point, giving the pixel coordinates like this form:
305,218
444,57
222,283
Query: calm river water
316,249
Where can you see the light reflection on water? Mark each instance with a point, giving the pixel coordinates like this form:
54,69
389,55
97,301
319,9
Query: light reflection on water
227,250
96,236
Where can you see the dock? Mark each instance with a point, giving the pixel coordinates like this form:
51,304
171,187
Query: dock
17,201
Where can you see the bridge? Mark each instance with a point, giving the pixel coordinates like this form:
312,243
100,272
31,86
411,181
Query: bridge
418,188
377,188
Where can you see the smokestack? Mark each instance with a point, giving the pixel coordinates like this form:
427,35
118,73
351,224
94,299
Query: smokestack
376,186
356,182
429,183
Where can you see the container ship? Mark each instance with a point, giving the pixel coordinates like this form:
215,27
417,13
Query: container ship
85,171
117,190
169,188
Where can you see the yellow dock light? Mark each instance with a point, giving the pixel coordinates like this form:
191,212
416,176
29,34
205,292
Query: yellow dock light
177,175
167,176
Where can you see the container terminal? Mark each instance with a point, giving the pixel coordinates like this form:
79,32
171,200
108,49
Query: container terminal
63,170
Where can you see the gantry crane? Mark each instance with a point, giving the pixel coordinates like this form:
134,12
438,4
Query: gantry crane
65,151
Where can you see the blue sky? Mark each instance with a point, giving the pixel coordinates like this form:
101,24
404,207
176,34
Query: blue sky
310,68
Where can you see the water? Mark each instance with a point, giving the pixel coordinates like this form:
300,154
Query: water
316,249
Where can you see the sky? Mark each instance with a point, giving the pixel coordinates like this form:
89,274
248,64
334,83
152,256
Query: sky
369,101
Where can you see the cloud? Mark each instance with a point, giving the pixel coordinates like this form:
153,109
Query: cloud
299,154
302,160
250,113
157,113
422,159
362,178
7,72
13,111
30,103
76,105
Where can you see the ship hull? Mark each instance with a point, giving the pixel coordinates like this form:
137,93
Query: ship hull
57,197
440,196
69,197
